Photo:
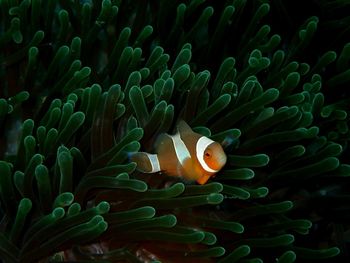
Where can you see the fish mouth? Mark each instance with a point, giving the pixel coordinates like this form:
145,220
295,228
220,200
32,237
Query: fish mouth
222,161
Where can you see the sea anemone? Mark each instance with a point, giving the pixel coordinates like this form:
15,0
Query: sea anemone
84,83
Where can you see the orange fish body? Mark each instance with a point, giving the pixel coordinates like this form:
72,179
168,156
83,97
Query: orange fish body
187,154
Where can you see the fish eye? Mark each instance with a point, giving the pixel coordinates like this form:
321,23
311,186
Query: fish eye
207,154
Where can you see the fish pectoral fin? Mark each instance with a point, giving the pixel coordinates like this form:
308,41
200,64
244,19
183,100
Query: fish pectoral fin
189,168
203,179
183,167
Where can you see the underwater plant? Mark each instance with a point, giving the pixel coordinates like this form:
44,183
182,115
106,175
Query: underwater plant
85,83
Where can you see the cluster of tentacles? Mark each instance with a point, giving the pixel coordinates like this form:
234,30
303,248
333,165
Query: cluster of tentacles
85,82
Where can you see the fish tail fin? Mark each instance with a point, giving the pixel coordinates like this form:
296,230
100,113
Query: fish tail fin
146,162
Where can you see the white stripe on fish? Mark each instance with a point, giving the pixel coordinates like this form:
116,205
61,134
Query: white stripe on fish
201,146
180,147
153,158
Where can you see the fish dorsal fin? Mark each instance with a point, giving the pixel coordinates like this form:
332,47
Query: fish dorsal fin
189,137
160,138
183,127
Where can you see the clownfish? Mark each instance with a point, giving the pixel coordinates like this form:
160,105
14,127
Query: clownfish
187,154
